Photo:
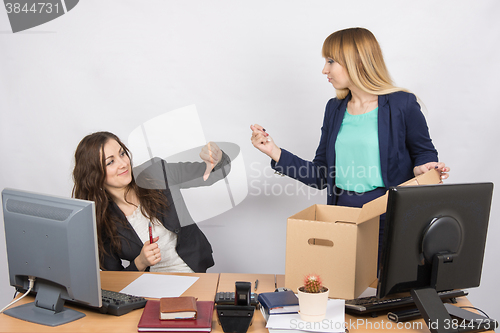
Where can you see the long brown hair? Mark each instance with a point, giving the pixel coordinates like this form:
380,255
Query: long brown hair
357,50
89,175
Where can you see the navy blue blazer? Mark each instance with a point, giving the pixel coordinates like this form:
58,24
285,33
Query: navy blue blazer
403,136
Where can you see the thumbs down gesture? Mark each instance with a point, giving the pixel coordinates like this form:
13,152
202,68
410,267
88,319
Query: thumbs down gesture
211,155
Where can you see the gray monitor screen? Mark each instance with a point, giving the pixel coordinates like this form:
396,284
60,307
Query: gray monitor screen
53,239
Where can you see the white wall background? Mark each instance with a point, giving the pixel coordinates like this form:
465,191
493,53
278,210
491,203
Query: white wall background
111,65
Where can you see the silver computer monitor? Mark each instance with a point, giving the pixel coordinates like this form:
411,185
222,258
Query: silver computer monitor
53,239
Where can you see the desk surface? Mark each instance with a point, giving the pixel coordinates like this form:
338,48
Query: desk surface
204,289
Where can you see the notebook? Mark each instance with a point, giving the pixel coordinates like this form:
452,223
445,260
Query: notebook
177,308
279,302
150,319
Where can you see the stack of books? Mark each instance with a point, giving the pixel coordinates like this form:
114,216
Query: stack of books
334,321
175,314
281,312
283,302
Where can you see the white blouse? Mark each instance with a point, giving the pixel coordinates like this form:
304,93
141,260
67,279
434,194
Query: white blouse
170,260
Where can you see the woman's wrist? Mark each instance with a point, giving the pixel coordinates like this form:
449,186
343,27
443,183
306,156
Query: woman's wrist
140,266
220,162
275,154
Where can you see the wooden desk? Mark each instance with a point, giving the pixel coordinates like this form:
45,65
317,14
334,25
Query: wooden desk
353,323
266,281
204,289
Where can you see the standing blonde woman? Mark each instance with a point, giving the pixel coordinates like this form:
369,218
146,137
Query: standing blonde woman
374,134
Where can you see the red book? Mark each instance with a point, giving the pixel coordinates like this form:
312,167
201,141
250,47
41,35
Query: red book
150,319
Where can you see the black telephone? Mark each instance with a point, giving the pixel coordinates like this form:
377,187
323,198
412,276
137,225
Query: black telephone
235,310
227,298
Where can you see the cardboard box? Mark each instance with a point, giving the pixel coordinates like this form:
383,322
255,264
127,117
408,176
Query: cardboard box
338,243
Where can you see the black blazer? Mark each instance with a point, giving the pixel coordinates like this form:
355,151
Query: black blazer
192,245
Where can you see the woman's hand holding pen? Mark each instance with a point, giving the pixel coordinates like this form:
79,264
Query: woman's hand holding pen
211,155
263,142
439,166
150,255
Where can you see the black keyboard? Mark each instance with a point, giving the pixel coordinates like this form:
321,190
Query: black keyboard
371,304
113,302
118,304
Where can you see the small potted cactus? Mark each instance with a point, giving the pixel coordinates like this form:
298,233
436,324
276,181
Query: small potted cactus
313,298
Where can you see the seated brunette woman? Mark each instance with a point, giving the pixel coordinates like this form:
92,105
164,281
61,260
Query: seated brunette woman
133,209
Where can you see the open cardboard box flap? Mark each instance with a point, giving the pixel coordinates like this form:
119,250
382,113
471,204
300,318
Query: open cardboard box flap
323,213
378,206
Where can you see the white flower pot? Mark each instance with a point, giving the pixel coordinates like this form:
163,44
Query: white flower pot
312,306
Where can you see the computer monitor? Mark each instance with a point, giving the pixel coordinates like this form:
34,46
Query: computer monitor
53,239
434,240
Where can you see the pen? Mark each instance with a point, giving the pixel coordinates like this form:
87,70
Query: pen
150,233
256,284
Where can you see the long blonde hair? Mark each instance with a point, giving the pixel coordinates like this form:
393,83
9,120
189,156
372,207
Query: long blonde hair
357,50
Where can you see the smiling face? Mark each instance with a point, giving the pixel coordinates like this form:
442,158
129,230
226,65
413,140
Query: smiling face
118,168
337,75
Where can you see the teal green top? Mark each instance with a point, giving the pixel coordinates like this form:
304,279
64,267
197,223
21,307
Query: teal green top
357,162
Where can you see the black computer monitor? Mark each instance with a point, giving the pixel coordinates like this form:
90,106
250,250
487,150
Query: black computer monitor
53,239
434,240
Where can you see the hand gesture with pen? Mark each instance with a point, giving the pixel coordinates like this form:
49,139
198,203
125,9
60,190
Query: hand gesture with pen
150,255
211,155
263,142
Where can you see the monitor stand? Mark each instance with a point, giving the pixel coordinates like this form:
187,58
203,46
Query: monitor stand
48,308
438,316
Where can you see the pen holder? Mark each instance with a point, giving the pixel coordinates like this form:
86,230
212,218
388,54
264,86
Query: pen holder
235,318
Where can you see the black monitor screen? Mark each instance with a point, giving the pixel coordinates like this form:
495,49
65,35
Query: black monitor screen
434,237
